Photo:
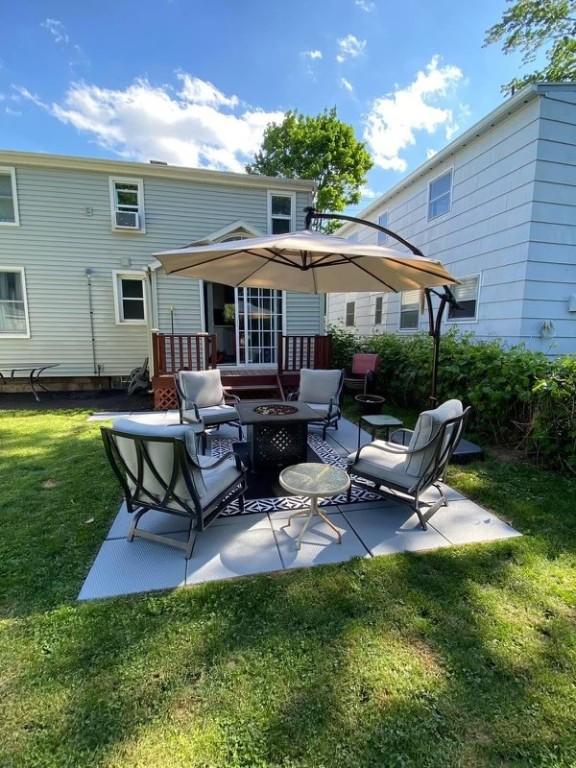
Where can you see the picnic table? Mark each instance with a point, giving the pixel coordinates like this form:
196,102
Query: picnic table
34,371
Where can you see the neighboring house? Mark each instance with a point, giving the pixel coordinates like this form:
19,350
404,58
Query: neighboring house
498,207
78,282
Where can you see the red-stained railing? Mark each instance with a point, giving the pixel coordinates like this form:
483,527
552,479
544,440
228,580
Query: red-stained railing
296,352
175,352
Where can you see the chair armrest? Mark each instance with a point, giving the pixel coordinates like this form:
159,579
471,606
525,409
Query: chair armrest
404,434
293,395
230,396
218,461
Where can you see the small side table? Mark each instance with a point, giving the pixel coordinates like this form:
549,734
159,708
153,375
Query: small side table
314,480
378,421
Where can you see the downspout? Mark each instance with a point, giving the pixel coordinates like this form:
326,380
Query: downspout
151,323
95,366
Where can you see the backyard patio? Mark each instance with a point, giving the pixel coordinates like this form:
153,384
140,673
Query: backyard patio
459,656
260,540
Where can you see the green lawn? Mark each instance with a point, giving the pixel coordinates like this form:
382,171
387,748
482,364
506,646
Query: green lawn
462,657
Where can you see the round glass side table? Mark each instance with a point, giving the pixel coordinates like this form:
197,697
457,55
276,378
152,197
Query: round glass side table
314,480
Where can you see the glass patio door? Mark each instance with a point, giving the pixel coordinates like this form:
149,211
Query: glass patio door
258,321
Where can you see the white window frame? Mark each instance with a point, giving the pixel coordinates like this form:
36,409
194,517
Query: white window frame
474,319
117,276
25,335
9,171
381,300
445,172
113,180
346,305
417,327
292,218
382,238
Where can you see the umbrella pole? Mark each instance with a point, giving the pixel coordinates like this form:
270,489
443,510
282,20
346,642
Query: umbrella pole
434,319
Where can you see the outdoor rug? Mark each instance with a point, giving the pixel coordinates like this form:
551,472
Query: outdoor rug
265,494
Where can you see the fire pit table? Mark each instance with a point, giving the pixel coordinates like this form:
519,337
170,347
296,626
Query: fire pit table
277,432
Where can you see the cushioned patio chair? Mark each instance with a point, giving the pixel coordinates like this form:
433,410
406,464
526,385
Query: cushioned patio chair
201,397
322,391
364,368
417,461
159,469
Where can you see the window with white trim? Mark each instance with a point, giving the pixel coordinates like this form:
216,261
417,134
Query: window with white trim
378,310
130,297
440,195
466,294
127,200
409,310
8,197
13,303
281,209
383,221
350,312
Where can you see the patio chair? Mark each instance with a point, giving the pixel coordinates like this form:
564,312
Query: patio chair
159,469
361,375
202,398
322,391
416,461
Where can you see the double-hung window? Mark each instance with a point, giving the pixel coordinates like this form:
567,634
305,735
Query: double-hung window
13,303
383,221
8,197
127,200
281,210
350,312
440,195
466,294
130,297
409,310
378,310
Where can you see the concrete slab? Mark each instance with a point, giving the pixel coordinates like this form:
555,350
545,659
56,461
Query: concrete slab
156,522
464,522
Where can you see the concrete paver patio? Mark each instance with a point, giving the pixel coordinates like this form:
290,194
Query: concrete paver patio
262,543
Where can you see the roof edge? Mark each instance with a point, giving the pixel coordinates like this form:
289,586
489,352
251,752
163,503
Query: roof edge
105,165
495,116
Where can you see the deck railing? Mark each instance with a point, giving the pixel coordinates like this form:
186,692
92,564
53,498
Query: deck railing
175,352
296,352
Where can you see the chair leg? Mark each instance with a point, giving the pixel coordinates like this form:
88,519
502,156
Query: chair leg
240,433
241,501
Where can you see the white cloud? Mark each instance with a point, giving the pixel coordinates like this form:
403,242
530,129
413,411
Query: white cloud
12,112
312,55
430,153
197,125
368,193
365,5
350,47
57,30
394,119
347,85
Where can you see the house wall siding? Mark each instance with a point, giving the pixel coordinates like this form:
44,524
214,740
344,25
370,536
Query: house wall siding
486,232
551,268
65,229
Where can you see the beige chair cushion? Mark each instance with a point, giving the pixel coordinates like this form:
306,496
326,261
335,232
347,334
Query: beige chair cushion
427,427
321,408
218,479
319,386
204,388
217,414
388,465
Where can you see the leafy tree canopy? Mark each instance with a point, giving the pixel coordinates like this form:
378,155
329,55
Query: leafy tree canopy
319,147
529,26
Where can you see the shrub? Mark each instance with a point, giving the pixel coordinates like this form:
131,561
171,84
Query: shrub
518,397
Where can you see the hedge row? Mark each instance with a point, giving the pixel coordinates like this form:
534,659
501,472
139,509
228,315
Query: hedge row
519,398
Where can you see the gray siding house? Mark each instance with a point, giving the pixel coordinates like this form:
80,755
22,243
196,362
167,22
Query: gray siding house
79,285
498,207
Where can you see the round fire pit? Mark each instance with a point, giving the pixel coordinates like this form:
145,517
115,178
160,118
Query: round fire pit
275,410
369,403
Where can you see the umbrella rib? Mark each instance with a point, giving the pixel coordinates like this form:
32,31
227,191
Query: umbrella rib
261,266
274,257
369,273
408,263
200,263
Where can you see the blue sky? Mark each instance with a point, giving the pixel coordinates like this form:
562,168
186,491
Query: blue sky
195,83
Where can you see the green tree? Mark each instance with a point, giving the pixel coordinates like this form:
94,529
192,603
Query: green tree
319,147
532,25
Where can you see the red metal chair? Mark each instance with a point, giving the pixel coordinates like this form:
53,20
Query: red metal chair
364,367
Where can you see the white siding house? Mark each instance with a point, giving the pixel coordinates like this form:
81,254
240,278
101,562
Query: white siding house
498,207
78,282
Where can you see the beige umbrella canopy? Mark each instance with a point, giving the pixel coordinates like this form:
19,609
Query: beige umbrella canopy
309,262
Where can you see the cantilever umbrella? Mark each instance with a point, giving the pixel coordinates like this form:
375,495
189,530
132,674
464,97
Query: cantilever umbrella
309,262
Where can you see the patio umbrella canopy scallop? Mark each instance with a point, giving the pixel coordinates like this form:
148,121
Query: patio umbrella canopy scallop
309,262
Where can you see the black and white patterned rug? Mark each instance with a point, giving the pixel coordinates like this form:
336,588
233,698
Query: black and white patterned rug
324,453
